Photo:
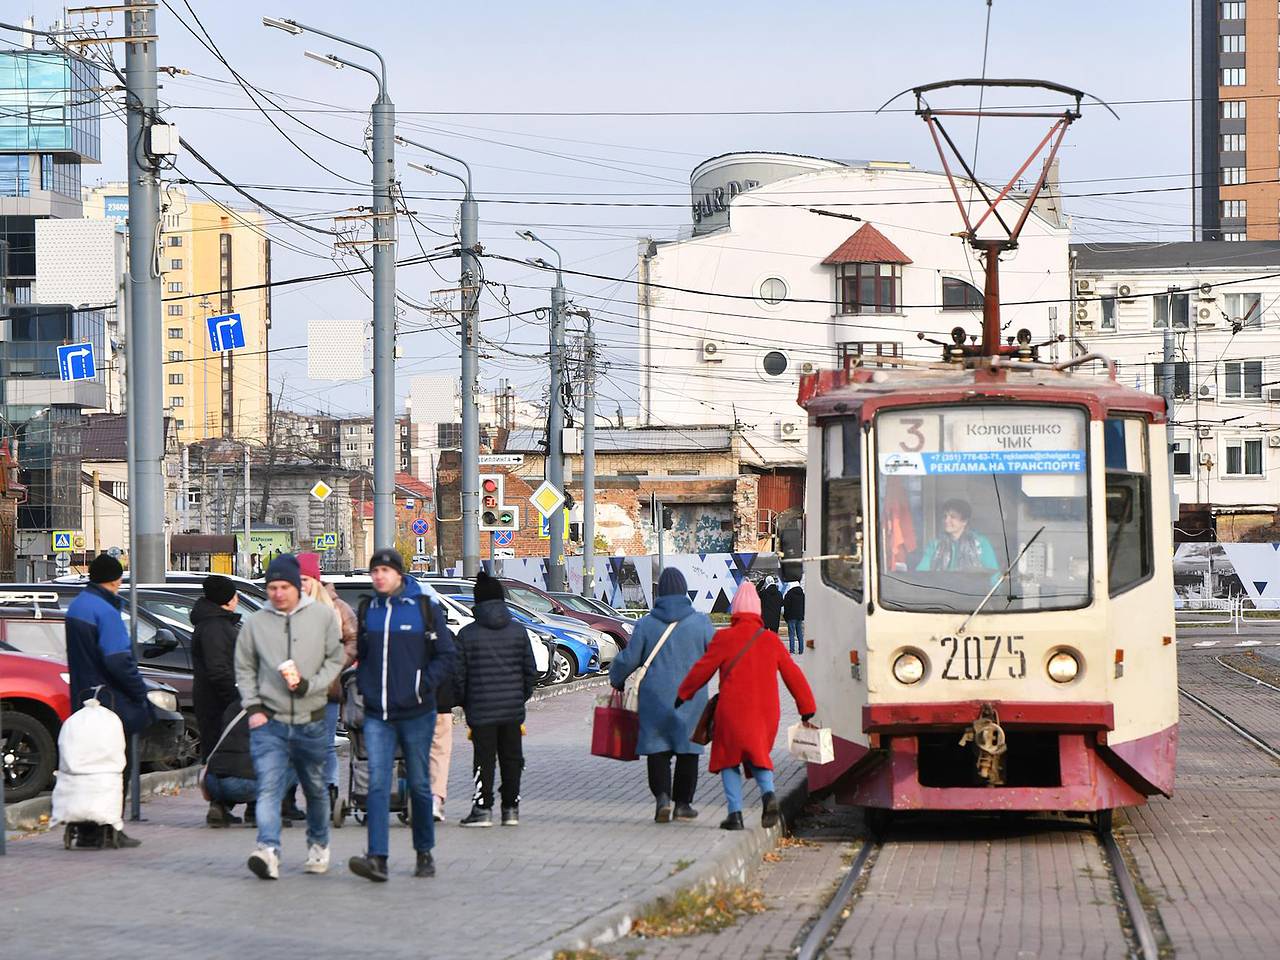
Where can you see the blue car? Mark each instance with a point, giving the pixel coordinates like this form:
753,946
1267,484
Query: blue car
576,655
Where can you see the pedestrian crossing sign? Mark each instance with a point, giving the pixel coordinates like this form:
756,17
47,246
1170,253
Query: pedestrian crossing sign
62,541
330,540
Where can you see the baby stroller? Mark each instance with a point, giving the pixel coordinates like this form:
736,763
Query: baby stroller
354,802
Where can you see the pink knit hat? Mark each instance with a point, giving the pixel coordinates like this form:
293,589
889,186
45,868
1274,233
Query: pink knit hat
746,600
309,565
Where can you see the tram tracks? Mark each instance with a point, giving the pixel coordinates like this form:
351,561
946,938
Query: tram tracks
1134,918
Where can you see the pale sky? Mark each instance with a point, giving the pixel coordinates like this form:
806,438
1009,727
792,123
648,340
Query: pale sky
462,84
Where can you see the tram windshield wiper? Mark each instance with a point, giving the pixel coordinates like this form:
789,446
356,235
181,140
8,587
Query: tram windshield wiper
996,586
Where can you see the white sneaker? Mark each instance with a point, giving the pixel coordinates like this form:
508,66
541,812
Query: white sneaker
265,863
317,859
437,809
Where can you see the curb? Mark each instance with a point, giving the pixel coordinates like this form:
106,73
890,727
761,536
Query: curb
573,686
26,816
733,864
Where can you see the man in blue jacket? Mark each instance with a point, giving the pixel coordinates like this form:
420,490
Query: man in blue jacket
100,654
404,651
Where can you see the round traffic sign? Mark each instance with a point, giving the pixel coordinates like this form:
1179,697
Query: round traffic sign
420,527
503,538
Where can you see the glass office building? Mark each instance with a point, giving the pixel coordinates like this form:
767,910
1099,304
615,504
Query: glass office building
49,104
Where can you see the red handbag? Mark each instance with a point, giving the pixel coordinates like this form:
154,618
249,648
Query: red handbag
615,731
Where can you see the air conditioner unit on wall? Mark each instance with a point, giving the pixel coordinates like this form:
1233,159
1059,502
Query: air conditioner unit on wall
1207,391
808,367
711,352
1084,285
1124,291
1204,433
791,430
1205,317
1273,439
1273,394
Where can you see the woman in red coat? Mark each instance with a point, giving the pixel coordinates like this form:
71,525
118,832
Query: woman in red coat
748,711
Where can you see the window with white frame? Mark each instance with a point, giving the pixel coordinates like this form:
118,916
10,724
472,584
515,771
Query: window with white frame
1232,43
1233,76
1232,176
175,378
1108,313
1182,457
1171,309
1232,109
1235,237
1233,143
175,286
1242,379
1234,209
1243,459
177,241
175,264
176,401
174,309
180,424
175,355
1243,308
1232,10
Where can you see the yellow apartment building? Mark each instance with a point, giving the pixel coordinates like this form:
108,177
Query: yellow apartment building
214,261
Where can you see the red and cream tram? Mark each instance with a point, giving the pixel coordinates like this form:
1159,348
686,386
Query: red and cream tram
987,586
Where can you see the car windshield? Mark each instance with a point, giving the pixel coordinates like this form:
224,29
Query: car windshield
575,602
530,599
963,491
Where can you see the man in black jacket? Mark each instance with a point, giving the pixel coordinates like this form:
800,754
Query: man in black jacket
496,676
213,656
793,613
771,605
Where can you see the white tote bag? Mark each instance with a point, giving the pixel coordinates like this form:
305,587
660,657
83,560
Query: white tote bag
90,784
810,744
631,689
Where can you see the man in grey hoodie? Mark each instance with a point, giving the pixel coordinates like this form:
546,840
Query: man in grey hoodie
287,654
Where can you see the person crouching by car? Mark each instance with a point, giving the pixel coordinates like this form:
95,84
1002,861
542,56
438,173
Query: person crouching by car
100,654
286,656
229,776
496,677
404,651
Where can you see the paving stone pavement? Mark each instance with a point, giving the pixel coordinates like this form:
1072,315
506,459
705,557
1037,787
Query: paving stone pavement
586,841
1209,854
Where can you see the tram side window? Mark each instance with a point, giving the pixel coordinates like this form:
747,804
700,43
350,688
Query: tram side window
842,506
1130,558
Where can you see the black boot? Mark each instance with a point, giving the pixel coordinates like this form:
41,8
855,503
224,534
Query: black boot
478,817
426,866
111,837
289,809
369,867
733,821
220,816
662,813
770,817
685,811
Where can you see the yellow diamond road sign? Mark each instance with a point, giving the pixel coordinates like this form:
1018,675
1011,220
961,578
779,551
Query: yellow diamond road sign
321,490
547,499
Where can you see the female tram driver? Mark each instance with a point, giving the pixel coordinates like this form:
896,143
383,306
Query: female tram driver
959,548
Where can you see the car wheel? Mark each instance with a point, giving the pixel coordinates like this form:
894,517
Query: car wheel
29,755
188,751
564,666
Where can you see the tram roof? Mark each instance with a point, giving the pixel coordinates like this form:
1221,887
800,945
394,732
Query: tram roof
866,388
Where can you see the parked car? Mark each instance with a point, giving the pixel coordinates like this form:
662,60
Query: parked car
164,649
186,578
576,654
593,604
353,589
540,601
35,699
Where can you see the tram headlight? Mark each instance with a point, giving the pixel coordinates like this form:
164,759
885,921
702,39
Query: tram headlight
908,668
1063,666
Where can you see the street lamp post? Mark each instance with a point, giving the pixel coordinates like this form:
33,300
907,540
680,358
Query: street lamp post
384,278
555,415
470,358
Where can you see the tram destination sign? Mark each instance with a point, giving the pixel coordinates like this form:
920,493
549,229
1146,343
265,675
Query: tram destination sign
1009,440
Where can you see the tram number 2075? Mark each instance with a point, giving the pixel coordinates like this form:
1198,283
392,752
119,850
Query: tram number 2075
977,657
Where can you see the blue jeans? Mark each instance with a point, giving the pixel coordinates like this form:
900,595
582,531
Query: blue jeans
331,731
414,736
731,777
277,747
795,636
229,791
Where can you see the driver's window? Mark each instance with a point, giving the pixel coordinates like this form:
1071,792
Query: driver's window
842,506
531,600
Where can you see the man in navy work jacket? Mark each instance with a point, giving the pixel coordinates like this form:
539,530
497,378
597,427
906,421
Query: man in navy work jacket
404,650
100,654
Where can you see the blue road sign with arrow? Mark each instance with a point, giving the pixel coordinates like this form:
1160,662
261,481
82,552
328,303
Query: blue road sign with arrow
75,361
225,333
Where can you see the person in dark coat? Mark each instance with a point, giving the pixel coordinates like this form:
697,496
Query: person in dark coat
664,731
213,668
771,605
749,659
100,654
496,677
793,613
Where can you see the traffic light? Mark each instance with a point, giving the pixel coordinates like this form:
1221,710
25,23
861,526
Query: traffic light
494,513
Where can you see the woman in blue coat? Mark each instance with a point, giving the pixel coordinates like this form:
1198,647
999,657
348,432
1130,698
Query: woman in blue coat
664,730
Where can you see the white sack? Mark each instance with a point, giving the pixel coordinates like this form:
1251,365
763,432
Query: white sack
90,784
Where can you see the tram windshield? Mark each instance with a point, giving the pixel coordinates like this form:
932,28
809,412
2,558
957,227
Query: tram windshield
964,491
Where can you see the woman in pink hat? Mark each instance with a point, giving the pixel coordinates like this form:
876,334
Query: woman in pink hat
749,658
313,586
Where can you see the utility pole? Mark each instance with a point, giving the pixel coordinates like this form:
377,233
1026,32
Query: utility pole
1167,388
146,402
588,457
245,548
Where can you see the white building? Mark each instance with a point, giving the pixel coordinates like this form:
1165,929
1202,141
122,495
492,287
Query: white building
1222,302
796,262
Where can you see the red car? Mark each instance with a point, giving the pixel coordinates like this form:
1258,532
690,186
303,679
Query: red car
34,700
540,601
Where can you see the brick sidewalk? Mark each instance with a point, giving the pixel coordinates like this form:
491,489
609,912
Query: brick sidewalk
1209,854
586,841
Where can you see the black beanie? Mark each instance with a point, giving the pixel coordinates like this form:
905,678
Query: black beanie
487,588
285,567
388,557
105,569
219,589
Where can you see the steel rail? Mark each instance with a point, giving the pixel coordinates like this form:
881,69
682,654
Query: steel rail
1148,945
1217,714
815,941
1247,676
